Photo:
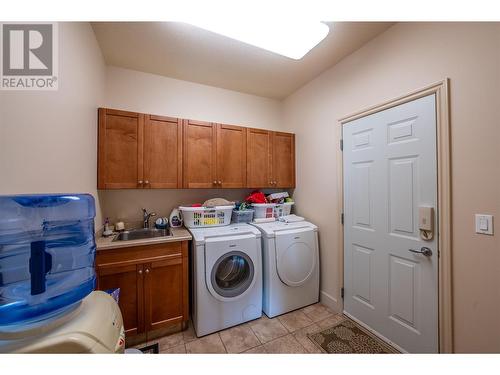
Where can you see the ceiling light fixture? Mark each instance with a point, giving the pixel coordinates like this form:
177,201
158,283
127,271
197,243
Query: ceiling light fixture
286,38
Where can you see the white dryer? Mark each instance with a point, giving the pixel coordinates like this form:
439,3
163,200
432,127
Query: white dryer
290,266
227,277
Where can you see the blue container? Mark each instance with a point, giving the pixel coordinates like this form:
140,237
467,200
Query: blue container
47,251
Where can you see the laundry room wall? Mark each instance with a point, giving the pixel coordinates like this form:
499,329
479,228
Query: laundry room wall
406,57
48,139
149,93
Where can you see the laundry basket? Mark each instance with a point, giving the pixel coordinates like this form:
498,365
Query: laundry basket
283,209
202,217
242,216
263,210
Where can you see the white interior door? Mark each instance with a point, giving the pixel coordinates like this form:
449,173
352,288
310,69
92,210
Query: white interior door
389,173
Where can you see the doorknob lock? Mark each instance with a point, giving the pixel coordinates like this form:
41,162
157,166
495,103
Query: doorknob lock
424,251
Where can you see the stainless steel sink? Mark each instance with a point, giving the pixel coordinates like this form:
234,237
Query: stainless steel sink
140,234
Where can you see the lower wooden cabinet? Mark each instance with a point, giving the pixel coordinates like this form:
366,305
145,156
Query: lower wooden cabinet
153,282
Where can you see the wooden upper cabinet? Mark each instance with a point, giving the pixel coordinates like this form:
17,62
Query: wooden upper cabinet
259,158
162,152
199,162
283,160
120,164
138,151
231,156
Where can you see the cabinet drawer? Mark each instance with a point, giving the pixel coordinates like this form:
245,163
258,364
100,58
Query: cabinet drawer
106,259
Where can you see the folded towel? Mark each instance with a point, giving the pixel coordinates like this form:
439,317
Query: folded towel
291,218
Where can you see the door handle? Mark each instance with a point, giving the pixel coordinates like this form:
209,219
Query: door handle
424,251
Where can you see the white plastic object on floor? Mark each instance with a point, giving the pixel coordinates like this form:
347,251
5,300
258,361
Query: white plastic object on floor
133,351
203,217
291,218
94,325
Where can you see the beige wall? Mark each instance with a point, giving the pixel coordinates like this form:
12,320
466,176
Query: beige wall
403,59
149,93
48,139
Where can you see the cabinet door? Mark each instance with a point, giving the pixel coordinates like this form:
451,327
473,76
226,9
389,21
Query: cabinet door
283,160
163,293
162,152
120,148
129,278
231,156
199,154
259,156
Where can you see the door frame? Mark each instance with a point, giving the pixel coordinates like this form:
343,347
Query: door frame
445,308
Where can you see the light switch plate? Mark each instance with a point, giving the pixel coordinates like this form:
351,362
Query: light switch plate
484,224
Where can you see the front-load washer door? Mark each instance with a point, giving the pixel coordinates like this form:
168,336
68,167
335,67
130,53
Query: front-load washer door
230,270
296,256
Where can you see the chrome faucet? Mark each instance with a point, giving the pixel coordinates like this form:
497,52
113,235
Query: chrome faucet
146,216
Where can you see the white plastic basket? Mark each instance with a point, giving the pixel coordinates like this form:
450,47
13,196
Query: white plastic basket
202,217
269,210
263,210
283,209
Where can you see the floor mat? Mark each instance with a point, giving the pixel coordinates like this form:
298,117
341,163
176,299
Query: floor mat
348,337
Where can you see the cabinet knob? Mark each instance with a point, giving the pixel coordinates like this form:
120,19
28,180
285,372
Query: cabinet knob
220,182
215,182
147,270
146,182
140,272
139,182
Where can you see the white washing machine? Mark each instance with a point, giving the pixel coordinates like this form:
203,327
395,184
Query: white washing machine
227,277
290,258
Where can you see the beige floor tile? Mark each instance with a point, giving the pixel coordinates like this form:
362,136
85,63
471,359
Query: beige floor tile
179,349
287,344
268,329
238,339
257,350
332,320
295,320
167,342
210,344
301,337
317,312
189,334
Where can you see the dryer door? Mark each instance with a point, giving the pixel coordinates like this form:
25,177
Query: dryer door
296,256
230,270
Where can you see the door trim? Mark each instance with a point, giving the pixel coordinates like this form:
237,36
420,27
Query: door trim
445,299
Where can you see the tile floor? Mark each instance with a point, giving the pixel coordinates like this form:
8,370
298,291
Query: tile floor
284,334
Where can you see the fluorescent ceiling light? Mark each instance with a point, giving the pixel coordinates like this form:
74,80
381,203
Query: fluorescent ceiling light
286,38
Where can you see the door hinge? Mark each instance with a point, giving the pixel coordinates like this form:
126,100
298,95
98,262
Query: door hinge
341,145
342,292
342,218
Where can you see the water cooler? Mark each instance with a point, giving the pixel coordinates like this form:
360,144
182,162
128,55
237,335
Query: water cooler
47,278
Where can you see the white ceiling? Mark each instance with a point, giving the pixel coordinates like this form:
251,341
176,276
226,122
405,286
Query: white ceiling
188,53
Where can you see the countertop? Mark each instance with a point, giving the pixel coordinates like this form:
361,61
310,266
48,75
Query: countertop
106,243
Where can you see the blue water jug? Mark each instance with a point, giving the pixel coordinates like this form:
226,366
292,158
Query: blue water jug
47,250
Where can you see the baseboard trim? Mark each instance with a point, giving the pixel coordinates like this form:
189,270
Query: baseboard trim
330,301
